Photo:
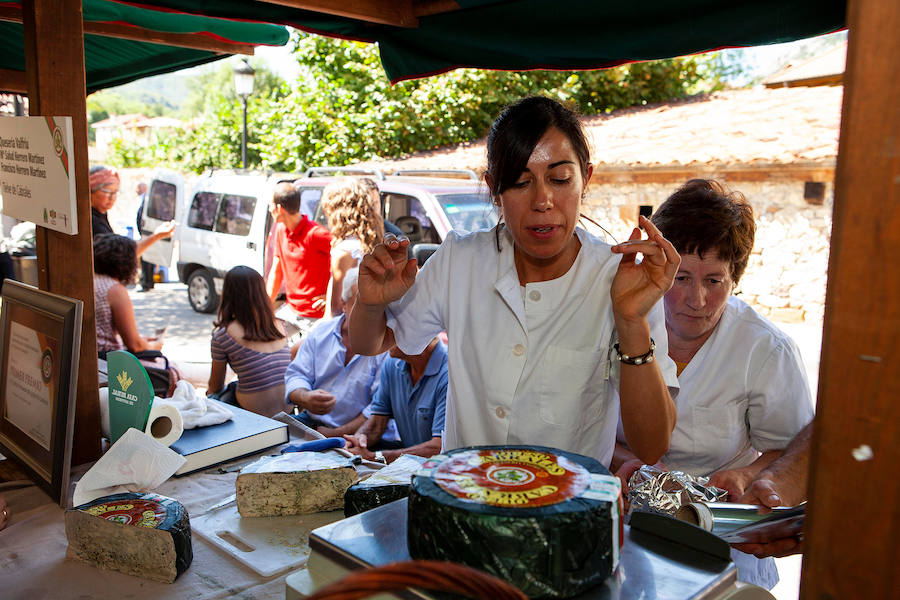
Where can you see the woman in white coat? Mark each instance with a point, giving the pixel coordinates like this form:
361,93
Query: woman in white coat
551,332
743,390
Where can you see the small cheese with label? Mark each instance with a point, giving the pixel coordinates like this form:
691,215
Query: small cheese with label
293,484
145,535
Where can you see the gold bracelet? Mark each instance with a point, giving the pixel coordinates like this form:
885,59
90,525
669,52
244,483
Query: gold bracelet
641,359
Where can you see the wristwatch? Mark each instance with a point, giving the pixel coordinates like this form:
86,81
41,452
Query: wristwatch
379,457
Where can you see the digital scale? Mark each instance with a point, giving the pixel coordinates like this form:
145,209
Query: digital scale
650,566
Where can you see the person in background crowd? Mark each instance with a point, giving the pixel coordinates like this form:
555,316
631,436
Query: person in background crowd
115,266
412,391
147,269
781,483
302,259
104,185
355,225
328,379
375,199
250,339
535,306
743,390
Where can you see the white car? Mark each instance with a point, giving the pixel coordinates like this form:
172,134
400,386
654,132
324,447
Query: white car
223,221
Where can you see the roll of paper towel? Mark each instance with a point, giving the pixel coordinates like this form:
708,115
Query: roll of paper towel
164,423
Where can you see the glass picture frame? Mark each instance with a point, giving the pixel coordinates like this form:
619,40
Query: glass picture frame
40,340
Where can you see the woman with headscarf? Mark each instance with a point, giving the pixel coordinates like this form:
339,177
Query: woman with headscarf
104,184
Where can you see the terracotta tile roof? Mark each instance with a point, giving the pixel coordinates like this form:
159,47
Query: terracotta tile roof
758,126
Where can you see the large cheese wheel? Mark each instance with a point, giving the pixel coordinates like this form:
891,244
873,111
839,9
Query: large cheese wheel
545,520
146,535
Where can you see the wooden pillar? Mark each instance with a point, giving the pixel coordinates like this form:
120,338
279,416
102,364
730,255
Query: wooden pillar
54,64
853,519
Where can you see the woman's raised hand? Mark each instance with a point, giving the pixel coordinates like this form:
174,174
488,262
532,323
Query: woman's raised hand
638,286
385,273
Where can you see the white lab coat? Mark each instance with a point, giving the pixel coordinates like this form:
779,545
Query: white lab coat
527,365
744,392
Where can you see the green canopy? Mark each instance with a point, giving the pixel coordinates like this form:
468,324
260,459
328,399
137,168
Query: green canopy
537,34
491,34
111,61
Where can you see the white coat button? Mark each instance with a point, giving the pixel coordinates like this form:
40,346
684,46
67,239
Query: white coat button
500,412
534,295
518,349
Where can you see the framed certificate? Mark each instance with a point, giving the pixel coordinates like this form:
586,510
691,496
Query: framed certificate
40,337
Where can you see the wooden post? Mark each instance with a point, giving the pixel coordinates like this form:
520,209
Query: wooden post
853,520
54,64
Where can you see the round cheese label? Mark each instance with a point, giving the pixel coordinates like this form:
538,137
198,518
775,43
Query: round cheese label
511,477
140,513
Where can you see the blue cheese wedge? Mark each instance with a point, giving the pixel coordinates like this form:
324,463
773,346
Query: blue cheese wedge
145,535
293,484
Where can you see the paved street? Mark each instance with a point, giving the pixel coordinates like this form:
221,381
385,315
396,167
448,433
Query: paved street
187,332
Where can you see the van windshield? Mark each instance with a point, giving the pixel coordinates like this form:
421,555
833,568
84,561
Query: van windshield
468,212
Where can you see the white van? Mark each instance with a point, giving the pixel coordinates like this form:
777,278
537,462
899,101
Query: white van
224,220
221,222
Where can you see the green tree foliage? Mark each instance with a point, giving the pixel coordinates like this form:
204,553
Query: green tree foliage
344,110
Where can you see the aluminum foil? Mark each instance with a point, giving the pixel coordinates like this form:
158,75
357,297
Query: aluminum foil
651,489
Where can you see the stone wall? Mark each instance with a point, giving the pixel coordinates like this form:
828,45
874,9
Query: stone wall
785,278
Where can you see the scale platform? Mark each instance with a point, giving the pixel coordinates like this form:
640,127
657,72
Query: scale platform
649,567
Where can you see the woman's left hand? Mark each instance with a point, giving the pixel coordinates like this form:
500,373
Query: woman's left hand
638,286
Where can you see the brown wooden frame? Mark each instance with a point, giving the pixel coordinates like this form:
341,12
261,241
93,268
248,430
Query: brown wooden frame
59,318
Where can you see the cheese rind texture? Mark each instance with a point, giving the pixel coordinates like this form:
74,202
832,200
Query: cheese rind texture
525,514
145,535
273,488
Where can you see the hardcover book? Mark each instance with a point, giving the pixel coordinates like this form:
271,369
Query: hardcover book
247,433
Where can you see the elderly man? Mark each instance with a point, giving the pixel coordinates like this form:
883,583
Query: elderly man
104,183
413,390
327,379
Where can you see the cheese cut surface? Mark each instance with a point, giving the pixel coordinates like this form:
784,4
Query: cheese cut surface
145,535
545,520
293,484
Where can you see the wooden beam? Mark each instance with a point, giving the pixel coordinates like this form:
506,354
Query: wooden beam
54,67
397,12
13,81
424,8
183,40
852,522
13,14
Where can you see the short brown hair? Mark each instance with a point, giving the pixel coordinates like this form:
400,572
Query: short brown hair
704,216
287,197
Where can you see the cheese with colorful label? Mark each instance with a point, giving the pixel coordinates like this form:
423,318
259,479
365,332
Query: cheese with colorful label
547,521
145,535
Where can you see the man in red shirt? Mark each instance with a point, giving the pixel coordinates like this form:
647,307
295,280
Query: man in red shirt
302,262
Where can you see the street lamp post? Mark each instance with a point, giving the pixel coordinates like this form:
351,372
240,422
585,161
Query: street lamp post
243,86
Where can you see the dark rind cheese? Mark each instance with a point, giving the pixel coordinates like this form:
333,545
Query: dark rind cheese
360,498
145,535
545,520
387,485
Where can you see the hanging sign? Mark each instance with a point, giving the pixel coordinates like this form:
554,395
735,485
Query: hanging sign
37,179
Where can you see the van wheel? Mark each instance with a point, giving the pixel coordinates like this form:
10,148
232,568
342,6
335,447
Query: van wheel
202,292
